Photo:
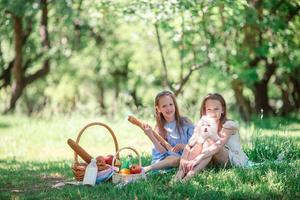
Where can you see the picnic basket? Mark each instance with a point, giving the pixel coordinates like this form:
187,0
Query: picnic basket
125,178
78,168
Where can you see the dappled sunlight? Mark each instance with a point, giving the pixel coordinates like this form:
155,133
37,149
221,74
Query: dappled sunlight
53,177
66,64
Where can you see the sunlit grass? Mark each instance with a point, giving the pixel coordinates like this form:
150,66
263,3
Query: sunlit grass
25,138
34,155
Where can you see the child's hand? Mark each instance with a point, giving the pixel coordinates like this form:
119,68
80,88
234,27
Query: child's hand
147,129
183,163
178,147
189,165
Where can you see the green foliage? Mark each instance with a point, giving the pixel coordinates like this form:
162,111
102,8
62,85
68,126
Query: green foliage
110,48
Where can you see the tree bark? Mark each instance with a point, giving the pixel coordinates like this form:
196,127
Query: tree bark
243,103
260,91
18,73
137,101
296,88
287,106
101,98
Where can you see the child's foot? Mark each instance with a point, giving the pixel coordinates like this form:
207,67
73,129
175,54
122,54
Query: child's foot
188,176
179,175
147,169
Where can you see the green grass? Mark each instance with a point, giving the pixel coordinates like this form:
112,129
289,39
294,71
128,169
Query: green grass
34,156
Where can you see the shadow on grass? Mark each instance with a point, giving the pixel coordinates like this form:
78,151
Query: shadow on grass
23,177
34,180
4,125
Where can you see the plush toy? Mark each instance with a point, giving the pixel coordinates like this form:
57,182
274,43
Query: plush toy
230,125
205,128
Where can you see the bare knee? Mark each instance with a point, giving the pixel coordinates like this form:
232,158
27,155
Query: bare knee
221,157
174,161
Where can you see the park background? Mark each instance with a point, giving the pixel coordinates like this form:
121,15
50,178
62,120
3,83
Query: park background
64,64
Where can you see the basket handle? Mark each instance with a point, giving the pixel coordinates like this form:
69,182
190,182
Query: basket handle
130,148
95,124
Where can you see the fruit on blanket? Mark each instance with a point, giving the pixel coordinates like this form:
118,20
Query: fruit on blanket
108,159
100,160
135,169
124,171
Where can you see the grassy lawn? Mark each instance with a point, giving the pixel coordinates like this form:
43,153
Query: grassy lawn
34,155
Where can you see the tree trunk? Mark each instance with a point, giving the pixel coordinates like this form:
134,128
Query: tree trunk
101,99
296,89
137,101
20,36
260,90
242,102
117,87
18,73
261,98
287,106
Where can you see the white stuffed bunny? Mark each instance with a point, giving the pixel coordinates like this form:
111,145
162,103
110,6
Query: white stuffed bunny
205,128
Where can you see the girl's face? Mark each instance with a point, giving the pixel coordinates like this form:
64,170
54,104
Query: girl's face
213,108
166,107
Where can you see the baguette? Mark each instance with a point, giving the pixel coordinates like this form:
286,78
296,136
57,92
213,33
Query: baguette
138,123
80,151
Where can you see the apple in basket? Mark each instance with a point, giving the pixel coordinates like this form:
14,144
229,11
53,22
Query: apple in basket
135,169
109,159
100,160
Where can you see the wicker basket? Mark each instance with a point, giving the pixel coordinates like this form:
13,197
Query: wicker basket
79,168
125,178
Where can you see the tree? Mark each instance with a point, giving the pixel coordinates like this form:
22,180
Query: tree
258,53
21,34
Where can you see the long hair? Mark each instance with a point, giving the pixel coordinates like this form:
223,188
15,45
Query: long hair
160,120
218,97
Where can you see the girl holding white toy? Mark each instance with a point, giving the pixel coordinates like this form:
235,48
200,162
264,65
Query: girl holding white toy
214,141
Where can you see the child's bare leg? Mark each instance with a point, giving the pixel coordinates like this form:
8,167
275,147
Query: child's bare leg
170,161
199,148
195,151
180,173
188,154
196,169
221,157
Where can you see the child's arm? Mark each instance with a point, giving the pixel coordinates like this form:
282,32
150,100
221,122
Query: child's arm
178,147
185,153
184,158
149,132
158,137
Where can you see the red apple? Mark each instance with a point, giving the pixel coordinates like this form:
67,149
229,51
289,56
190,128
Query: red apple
135,169
100,159
109,159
